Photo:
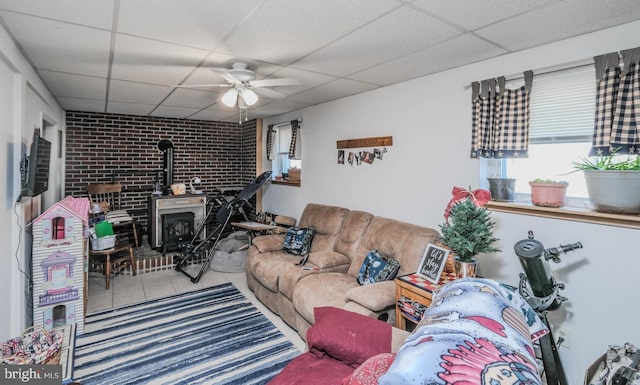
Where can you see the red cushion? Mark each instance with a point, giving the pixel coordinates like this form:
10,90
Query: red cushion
308,369
369,372
347,336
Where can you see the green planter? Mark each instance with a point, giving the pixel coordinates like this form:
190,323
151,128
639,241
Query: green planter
612,191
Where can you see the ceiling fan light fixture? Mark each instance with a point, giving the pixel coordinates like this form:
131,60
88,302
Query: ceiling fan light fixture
249,97
230,97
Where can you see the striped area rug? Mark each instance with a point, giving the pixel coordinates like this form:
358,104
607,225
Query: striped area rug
209,336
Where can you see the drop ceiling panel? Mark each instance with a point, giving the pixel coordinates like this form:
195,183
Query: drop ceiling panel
59,46
181,97
150,61
122,91
560,20
79,104
395,34
335,48
129,108
282,31
94,13
195,23
333,90
77,86
307,80
278,107
174,112
211,114
458,51
475,14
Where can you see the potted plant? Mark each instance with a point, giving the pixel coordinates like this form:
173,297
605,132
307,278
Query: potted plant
549,193
468,232
613,182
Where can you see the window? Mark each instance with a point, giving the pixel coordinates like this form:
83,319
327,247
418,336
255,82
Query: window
562,109
282,163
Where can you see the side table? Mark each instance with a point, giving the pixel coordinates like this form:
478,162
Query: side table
413,296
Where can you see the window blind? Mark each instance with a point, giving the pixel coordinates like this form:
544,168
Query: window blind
563,105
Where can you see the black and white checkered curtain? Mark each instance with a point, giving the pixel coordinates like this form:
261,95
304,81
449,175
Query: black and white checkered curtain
617,103
500,119
295,148
271,134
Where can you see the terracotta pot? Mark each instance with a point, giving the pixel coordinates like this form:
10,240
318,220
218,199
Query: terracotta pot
549,194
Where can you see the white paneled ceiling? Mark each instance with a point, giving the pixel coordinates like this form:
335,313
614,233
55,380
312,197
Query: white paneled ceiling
125,56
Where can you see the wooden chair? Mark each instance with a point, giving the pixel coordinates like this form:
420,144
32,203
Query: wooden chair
107,196
113,260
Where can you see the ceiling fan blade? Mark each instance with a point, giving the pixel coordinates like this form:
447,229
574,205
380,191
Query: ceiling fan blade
275,82
226,75
202,85
267,93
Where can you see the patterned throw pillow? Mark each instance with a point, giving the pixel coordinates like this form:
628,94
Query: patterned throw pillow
297,241
370,370
377,267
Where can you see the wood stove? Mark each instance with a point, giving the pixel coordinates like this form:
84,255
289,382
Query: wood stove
159,206
176,228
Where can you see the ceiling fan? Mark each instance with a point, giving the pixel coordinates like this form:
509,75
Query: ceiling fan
244,86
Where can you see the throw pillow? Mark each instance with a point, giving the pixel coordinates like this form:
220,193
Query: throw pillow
347,336
297,241
377,267
370,370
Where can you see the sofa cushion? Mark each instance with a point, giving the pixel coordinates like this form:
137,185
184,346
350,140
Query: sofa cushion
327,221
328,259
376,297
404,242
370,370
377,267
324,289
267,268
346,336
297,240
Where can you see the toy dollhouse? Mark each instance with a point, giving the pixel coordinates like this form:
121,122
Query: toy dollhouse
59,246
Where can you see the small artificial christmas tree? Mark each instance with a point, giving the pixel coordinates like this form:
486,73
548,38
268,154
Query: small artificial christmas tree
468,231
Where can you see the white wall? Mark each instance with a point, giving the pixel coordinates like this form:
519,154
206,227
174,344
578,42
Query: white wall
430,121
24,100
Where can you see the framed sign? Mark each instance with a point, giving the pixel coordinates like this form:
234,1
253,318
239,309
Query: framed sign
433,262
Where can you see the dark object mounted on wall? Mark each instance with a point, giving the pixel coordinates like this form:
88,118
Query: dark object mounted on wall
34,168
166,146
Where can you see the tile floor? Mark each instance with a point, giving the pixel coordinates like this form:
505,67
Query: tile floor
128,289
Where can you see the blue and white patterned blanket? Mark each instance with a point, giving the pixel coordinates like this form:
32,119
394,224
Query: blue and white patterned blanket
476,331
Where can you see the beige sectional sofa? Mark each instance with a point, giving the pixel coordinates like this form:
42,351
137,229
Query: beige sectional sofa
343,239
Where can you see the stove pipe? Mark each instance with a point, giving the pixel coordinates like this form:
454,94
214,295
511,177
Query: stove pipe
166,146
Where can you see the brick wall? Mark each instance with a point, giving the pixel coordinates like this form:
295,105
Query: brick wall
112,147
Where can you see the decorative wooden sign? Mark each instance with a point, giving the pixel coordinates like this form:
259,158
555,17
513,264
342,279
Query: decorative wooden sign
433,262
365,142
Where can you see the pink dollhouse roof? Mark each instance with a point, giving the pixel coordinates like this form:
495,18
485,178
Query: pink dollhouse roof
78,207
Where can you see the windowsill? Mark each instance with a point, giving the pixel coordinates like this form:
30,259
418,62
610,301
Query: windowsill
286,183
577,214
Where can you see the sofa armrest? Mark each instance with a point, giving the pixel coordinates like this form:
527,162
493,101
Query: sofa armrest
272,242
375,296
398,336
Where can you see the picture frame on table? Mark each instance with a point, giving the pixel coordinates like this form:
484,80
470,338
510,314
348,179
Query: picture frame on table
433,262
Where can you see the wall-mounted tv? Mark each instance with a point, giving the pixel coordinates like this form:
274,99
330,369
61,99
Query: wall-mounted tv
35,167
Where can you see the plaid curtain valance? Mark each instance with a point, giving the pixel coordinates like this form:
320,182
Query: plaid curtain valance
295,148
500,118
617,103
271,133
